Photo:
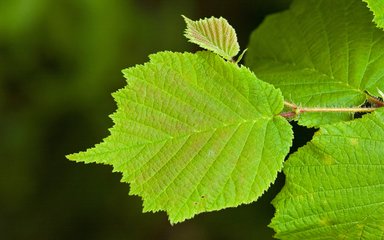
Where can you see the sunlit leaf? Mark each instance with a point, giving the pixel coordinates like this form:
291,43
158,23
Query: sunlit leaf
194,133
214,34
335,184
377,7
320,53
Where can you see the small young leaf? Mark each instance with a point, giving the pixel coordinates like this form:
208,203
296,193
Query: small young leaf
214,34
377,7
320,53
194,133
335,184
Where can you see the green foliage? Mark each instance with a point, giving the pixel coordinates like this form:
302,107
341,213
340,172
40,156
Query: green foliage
194,133
214,34
319,57
334,185
377,7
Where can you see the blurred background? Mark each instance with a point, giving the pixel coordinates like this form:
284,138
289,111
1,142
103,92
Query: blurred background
59,63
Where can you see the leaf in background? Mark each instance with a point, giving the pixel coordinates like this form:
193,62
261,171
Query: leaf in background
335,184
320,53
214,34
377,7
194,133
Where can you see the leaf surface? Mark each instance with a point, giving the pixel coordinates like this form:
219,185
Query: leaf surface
335,184
214,34
320,53
377,7
194,133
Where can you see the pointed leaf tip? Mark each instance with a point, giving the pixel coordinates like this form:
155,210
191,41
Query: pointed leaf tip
214,34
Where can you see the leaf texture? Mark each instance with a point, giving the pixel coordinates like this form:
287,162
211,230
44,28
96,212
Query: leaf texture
194,133
214,34
377,7
320,53
335,184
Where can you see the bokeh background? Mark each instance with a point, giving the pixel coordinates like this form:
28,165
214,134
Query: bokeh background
59,63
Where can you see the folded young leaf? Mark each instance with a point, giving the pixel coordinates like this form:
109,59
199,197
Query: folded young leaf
320,53
214,34
194,133
335,184
377,7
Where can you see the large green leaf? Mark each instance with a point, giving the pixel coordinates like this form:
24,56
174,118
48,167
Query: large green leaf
194,133
377,7
214,34
335,184
320,53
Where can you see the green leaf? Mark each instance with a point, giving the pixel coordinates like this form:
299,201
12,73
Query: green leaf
377,7
194,133
214,34
320,53
335,184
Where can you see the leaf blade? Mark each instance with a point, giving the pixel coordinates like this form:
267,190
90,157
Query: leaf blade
334,185
188,143
320,54
377,8
214,34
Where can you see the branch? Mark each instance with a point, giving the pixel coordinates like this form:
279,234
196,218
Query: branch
296,110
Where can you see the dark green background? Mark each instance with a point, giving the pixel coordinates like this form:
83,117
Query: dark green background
59,63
